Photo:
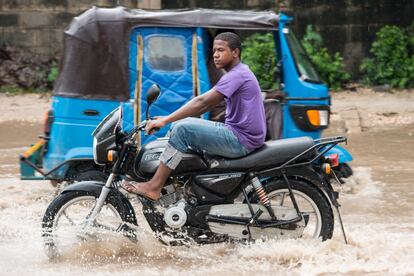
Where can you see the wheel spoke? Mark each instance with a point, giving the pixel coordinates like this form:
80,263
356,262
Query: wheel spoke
68,218
67,228
106,227
283,199
306,205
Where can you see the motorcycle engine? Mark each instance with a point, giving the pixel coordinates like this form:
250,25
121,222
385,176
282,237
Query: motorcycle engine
175,204
175,216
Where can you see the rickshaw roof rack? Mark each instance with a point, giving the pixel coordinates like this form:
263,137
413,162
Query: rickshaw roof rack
207,18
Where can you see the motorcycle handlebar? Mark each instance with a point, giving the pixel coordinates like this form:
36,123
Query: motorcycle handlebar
141,127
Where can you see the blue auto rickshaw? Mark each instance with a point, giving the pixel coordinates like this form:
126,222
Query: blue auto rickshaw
112,56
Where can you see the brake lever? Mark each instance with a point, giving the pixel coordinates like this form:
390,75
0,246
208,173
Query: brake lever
155,129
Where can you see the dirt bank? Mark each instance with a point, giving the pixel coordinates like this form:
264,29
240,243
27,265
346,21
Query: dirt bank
364,110
23,107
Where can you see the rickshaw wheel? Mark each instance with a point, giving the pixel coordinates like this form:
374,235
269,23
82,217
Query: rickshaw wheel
91,175
54,183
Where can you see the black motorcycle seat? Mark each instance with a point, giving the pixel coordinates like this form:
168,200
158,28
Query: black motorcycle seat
272,153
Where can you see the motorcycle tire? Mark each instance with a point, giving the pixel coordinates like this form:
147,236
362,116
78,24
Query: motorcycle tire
49,222
310,192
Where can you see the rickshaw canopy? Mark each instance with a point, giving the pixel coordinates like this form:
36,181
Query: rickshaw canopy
96,49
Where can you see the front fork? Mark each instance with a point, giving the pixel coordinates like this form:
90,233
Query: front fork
108,185
100,202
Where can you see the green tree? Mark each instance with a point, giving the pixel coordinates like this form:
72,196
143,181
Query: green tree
330,68
392,58
259,53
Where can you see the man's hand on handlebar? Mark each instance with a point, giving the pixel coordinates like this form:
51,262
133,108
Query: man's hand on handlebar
155,124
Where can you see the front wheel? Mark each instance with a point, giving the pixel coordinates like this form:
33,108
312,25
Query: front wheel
311,201
64,226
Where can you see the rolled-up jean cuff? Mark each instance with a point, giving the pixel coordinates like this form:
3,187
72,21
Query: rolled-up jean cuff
171,157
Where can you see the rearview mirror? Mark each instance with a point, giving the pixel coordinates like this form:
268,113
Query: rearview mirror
153,93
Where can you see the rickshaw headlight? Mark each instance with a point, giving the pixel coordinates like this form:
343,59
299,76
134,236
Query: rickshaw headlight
318,117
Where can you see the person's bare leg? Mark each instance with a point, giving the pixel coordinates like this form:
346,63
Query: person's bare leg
152,188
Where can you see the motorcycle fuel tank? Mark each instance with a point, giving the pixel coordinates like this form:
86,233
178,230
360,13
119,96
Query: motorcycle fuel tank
147,160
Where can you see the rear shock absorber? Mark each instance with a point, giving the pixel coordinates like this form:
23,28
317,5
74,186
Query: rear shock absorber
264,199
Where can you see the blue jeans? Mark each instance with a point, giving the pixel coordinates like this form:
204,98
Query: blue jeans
194,134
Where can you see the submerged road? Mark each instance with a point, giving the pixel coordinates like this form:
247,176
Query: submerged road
377,204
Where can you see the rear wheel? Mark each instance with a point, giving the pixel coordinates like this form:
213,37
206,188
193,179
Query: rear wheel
64,224
311,201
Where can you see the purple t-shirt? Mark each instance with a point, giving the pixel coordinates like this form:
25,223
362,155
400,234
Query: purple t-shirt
245,114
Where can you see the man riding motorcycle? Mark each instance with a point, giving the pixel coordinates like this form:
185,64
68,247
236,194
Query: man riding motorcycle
244,129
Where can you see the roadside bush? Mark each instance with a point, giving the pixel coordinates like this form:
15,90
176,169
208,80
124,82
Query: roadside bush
52,76
330,68
392,58
260,54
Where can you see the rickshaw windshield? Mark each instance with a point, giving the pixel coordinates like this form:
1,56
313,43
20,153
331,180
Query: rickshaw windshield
303,64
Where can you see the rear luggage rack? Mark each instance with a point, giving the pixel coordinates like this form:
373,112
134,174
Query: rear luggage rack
322,145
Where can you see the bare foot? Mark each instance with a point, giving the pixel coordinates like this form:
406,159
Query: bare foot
145,189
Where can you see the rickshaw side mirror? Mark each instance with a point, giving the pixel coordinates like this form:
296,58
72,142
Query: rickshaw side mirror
153,93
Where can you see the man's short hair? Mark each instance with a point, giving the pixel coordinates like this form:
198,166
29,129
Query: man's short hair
232,39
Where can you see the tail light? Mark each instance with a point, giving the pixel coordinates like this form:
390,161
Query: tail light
48,120
333,159
310,117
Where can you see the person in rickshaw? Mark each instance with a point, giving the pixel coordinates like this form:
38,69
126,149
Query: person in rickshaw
243,131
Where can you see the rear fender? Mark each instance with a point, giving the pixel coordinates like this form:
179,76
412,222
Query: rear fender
94,188
308,174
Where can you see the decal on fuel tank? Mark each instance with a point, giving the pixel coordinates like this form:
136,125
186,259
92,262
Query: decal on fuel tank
152,156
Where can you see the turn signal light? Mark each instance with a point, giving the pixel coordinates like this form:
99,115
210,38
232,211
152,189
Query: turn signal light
112,155
326,168
318,117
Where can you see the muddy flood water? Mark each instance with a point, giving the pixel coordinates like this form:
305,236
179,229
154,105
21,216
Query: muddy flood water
377,206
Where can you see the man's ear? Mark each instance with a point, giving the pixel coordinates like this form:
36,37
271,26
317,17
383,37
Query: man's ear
236,53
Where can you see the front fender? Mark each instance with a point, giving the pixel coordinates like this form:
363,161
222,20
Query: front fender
95,188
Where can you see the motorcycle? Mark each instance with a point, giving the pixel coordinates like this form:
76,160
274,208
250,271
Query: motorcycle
277,191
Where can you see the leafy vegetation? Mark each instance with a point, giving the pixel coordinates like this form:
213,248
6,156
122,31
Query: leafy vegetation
392,58
330,67
260,54
52,75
